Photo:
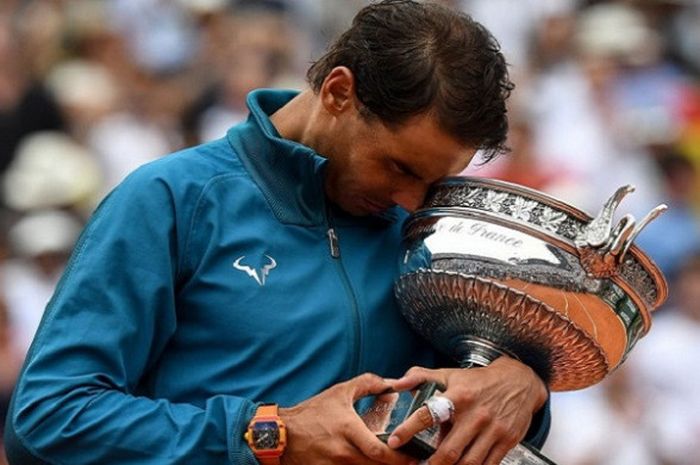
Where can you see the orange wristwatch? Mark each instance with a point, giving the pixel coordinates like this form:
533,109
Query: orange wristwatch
266,435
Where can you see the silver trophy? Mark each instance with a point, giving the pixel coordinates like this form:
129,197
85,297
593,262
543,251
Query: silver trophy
491,268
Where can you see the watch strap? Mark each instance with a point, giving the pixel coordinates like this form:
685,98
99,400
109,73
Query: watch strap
267,410
269,460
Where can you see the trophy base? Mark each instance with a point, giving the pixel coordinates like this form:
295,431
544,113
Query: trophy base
390,410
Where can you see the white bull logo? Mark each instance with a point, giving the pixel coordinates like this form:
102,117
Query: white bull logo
253,273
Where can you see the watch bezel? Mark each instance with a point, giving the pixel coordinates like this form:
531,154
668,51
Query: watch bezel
281,437
261,426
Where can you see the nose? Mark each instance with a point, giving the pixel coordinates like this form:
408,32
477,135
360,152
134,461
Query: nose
410,199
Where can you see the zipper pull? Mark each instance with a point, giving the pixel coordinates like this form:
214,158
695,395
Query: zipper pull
333,242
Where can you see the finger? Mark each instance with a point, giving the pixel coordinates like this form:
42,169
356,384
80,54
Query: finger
368,384
477,452
372,447
498,453
452,447
418,421
416,376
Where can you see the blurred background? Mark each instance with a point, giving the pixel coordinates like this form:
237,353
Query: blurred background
608,93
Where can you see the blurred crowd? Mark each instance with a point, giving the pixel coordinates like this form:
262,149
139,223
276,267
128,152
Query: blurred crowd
608,93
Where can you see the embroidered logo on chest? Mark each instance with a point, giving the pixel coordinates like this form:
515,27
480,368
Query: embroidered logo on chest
259,275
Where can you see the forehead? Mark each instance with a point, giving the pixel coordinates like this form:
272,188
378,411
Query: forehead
422,145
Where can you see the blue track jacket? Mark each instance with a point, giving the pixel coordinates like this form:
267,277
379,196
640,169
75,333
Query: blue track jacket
203,285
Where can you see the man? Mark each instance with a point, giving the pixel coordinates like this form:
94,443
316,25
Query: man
259,268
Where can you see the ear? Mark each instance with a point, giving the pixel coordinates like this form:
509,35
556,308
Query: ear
337,92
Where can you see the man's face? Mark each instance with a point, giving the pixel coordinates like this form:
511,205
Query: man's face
373,167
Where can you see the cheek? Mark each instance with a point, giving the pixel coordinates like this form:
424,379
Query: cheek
380,184
363,174
362,178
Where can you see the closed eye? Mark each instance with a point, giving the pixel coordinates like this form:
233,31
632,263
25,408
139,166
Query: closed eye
403,169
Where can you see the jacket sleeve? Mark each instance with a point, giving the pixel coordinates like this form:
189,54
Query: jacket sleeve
539,428
110,318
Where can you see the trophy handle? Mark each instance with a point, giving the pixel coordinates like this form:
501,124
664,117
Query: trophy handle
601,247
652,215
597,232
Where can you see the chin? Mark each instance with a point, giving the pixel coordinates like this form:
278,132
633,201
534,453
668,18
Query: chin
357,211
354,208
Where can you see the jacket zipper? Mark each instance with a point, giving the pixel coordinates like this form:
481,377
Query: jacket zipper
333,242
334,246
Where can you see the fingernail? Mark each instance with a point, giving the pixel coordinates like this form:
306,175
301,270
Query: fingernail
393,442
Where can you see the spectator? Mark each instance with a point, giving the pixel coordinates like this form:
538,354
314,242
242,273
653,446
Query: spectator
676,234
9,368
40,244
25,105
52,170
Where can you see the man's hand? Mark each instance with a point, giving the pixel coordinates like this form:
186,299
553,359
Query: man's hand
493,410
325,429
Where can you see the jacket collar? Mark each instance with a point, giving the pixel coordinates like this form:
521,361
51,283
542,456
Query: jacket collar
289,174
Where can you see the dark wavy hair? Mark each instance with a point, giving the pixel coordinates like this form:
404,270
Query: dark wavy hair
410,57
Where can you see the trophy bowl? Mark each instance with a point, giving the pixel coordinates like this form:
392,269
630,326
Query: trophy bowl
491,268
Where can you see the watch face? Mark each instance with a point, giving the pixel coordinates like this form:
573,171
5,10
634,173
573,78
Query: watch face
266,435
